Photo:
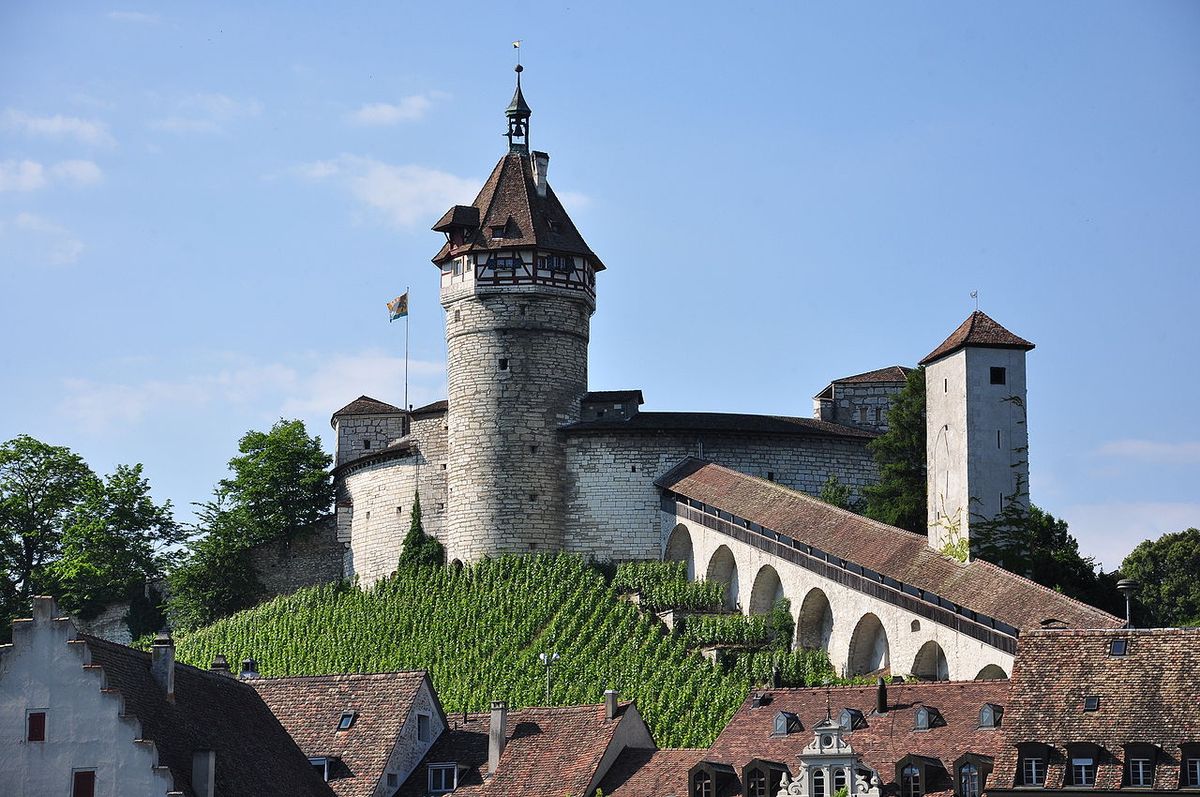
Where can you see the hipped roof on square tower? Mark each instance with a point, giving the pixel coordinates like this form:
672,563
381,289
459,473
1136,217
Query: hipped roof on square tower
978,330
517,200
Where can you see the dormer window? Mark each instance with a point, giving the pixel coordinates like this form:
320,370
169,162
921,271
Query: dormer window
851,719
989,715
928,717
785,722
498,231
443,778
1118,647
320,765
910,781
1031,768
1140,760
1091,703
1082,770
762,778
971,773
347,720
554,224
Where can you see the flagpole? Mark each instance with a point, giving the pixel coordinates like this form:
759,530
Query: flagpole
406,407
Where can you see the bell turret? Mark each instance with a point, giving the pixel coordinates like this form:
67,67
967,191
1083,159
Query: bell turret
518,114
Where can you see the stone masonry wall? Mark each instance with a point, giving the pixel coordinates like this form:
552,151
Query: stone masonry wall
863,404
358,435
612,503
312,557
516,369
381,496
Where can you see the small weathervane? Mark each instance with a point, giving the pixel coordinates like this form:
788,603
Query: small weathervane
975,296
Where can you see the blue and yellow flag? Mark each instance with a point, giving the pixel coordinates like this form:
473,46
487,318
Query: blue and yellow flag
398,307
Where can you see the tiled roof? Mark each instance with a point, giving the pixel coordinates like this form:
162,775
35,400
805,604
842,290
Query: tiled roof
613,396
310,708
651,773
365,405
509,199
893,373
1150,695
978,330
980,586
885,740
550,751
720,422
433,408
254,754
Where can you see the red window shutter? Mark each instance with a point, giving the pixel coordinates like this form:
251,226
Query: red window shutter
85,784
37,727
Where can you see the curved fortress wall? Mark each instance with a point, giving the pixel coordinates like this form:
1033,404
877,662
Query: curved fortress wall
516,369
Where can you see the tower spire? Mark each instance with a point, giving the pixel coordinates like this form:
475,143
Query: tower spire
518,114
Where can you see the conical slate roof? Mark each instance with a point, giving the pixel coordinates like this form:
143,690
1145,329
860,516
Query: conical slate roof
509,199
978,330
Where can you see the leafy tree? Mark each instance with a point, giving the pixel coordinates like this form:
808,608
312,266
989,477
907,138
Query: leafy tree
40,487
419,547
899,497
216,578
835,493
1167,571
112,543
281,482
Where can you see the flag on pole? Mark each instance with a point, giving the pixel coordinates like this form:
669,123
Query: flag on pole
398,307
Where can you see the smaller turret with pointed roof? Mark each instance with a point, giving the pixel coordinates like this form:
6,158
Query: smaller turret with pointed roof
977,441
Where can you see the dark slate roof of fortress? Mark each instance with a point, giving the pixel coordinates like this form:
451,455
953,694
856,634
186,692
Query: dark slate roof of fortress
978,330
509,199
904,556
1148,695
728,422
254,754
310,708
595,396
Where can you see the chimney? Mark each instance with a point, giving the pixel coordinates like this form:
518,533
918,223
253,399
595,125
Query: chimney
249,669
162,662
881,698
541,165
610,704
204,773
220,665
44,608
497,733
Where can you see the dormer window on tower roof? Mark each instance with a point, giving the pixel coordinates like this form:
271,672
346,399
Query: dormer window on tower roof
785,722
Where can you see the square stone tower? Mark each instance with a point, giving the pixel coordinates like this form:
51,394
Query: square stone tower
977,441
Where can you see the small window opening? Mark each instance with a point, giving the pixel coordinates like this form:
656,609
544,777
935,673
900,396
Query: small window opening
1091,703
999,376
522,308
498,231
997,438
503,363
1118,647
533,449
443,466
458,315
442,778
533,496
36,727
422,727
83,783
366,444
399,510
441,507
945,385
320,765
393,779
347,720
770,475
633,468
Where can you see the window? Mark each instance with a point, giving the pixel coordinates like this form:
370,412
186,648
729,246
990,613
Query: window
1191,773
818,783
532,497
633,468
1033,771
533,449
1118,647
999,376
702,785
522,308
320,765
968,781
756,784
945,385
458,315
851,719
503,363
498,231
910,781
393,779
785,722
347,720
770,475
1083,771
839,779
558,264
443,466
927,717
1140,772
366,444
83,783
35,726
997,438
443,778
422,727
989,715
1091,703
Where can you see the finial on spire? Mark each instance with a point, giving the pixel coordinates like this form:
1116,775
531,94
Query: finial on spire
518,113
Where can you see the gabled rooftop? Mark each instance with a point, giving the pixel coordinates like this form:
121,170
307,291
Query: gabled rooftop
365,405
978,330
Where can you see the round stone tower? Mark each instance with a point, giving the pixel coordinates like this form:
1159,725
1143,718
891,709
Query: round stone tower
518,285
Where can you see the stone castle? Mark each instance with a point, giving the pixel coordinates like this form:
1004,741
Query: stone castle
523,457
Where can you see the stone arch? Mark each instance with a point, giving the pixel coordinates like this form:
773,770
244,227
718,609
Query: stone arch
767,589
930,663
679,549
723,567
814,623
869,650
992,672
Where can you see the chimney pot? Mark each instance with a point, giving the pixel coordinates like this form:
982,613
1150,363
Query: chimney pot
249,668
610,704
204,773
220,665
162,663
497,734
881,697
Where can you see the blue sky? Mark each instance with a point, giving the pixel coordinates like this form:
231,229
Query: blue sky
204,207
